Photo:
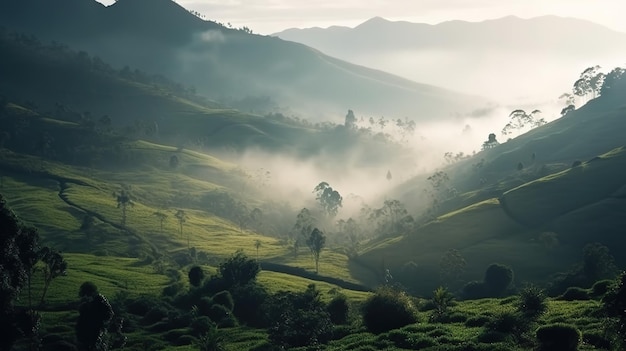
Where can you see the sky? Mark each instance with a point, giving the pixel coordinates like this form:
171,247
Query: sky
271,16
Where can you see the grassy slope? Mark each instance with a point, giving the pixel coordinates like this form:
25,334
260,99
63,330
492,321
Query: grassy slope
574,203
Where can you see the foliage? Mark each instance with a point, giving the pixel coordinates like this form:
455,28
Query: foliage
316,242
124,200
574,293
498,278
614,306
598,263
491,142
94,316
442,299
338,309
451,266
54,266
298,319
238,269
196,275
388,309
19,253
329,198
87,290
532,302
559,336
225,299
519,119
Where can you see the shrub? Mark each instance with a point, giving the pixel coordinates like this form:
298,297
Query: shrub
172,289
222,316
574,293
338,309
388,309
87,289
196,275
225,299
532,302
201,325
562,337
477,321
239,269
601,287
474,290
498,278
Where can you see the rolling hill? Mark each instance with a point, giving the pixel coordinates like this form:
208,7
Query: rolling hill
505,214
162,37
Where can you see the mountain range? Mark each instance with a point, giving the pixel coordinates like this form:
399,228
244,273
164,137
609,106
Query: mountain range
480,57
159,36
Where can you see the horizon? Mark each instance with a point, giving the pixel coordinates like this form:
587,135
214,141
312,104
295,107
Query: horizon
272,16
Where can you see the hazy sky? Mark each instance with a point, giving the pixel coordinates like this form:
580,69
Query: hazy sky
269,16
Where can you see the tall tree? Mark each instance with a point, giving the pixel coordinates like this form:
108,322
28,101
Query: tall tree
54,267
124,200
302,228
161,217
329,198
316,242
181,216
19,248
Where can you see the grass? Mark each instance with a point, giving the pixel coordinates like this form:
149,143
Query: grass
549,197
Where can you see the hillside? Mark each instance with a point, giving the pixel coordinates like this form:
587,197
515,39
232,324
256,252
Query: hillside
506,214
161,37
487,55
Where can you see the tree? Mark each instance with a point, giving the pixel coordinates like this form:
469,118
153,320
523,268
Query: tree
161,217
54,266
196,274
389,175
491,142
302,228
94,315
19,251
329,198
239,269
519,119
451,266
316,242
498,278
181,216
257,245
124,200
350,121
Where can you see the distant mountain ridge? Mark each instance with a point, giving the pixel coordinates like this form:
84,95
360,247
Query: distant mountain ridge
486,55
162,37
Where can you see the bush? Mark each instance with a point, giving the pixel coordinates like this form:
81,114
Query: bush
222,316
562,337
498,278
532,302
474,290
338,309
201,325
574,293
239,269
196,275
601,287
87,289
388,309
477,321
225,299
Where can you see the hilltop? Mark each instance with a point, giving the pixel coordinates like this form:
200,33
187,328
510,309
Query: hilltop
222,63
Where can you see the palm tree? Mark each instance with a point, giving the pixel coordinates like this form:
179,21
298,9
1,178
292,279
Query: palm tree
257,244
161,217
182,218
124,199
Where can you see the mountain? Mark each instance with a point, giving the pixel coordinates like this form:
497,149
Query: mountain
162,37
487,55
532,203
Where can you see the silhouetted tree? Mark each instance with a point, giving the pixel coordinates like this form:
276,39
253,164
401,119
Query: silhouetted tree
350,121
124,200
19,252
451,266
94,315
181,216
196,275
161,217
54,266
316,242
239,269
302,228
257,245
519,119
491,142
